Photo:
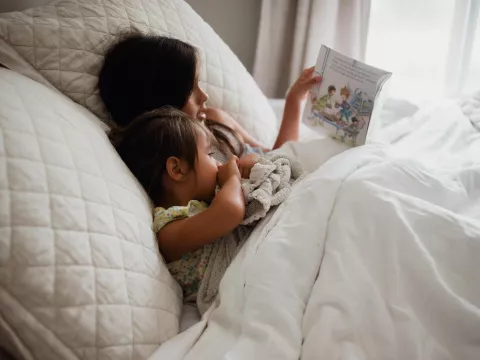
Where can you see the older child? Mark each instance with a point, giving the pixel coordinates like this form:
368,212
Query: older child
142,73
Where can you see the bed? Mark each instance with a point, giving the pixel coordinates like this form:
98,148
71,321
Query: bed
382,266
373,256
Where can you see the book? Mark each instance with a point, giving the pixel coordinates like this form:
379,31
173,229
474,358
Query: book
342,104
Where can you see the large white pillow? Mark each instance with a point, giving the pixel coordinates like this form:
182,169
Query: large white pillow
66,42
81,276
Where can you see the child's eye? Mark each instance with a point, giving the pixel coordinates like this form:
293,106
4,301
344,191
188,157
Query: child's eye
211,154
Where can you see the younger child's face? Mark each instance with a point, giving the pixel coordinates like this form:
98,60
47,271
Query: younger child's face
206,169
332,92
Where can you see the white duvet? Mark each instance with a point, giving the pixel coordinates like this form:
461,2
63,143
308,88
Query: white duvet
373,256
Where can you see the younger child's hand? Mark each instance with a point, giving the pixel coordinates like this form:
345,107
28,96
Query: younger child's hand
228,170
246,163
299,91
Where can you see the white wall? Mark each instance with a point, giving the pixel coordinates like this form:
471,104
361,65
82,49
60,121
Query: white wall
235,21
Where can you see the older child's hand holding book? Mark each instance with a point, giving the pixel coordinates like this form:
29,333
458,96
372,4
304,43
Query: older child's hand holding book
292,114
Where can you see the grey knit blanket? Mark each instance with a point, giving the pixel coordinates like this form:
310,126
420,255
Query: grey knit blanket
270,183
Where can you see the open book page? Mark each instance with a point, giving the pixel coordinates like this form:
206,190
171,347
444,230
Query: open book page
342,104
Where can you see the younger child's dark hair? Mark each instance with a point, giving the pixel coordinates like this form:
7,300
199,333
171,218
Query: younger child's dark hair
142,73
332,88
354,119
150,139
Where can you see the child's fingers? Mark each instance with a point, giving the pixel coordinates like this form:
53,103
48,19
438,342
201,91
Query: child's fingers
233,160
242,172
315,80
234,163
246,172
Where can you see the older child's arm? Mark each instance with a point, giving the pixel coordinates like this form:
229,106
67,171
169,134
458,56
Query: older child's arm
290,127
224,214
292,114
225,119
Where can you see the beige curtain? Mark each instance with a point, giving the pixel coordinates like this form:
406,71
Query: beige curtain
291,32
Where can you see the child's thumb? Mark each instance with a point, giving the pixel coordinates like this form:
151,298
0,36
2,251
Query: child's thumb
233,160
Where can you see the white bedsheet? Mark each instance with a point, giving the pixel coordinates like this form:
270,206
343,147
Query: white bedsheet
189,317
373,256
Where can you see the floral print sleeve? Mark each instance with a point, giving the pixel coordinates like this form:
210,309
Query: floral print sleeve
189,270
162,217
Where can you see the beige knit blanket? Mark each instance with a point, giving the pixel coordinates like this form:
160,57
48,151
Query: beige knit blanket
270,183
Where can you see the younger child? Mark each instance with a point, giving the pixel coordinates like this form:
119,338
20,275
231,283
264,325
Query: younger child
171,156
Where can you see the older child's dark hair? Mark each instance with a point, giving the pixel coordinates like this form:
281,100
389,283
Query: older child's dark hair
332,88
142,73
150,139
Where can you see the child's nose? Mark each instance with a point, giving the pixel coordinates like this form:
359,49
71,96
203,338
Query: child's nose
205,96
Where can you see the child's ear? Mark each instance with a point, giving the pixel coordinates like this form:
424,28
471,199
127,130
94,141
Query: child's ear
176,168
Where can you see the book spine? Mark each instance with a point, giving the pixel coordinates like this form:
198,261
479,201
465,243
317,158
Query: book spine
325,59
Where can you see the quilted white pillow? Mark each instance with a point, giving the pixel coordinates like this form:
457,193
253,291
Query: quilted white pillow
66,42
80,272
